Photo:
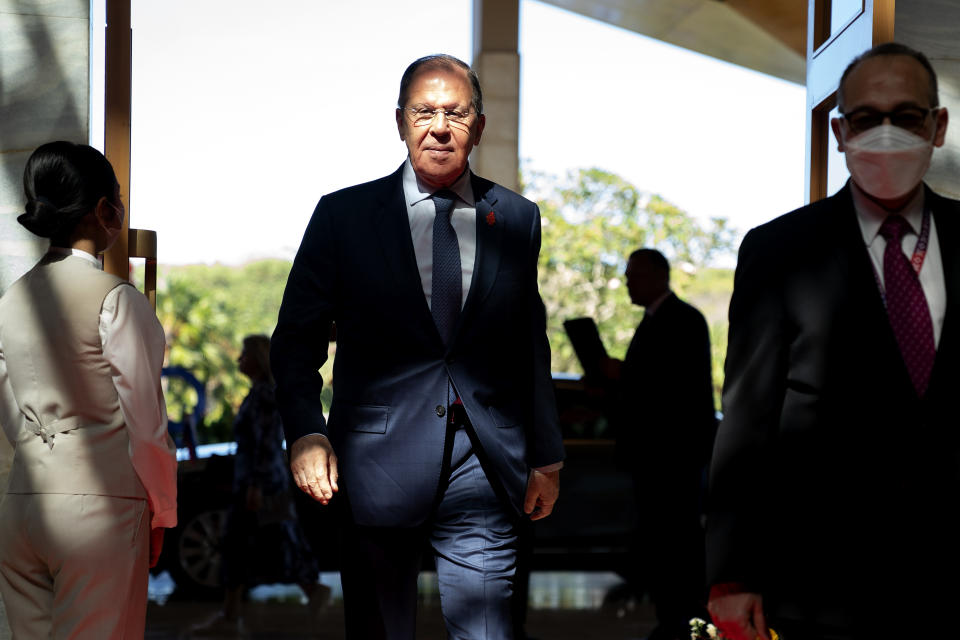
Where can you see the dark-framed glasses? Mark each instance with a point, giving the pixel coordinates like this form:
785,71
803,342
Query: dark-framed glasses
422,116
912,119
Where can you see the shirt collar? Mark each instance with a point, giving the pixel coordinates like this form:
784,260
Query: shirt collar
66,251
651,308
415,191
871,215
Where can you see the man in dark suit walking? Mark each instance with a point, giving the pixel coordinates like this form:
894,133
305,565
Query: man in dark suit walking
836,465
665,420
443,428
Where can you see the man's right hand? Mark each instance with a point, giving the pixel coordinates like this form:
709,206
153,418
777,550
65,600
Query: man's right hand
739,616
314,467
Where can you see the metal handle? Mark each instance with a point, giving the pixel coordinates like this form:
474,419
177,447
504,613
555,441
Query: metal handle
142,243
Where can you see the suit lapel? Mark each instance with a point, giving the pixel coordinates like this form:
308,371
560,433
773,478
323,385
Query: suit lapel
948,236
647,327
858,265
863,297
875,313
490,223
393,234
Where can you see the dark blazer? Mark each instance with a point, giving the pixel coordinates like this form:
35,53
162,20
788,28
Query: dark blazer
356,267
831,479
667,419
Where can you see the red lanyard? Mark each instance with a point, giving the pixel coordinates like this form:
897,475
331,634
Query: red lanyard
920,251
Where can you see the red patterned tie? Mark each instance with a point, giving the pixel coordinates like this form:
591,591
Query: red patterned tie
907,306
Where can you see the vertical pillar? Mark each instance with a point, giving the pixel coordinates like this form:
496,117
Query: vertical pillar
117,125
44,85
496,60
922,24
44,96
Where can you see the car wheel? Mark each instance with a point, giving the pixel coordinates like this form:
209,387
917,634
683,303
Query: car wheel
198,554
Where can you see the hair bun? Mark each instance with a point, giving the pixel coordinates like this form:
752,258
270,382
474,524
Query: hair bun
41,218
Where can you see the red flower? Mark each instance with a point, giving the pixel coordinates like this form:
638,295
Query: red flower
491,219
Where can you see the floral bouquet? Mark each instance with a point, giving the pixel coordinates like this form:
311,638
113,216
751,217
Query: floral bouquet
703,630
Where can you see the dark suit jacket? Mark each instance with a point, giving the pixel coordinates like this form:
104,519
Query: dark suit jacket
356,267
667,418
831,479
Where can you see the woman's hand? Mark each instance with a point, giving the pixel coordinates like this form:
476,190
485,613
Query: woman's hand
156,545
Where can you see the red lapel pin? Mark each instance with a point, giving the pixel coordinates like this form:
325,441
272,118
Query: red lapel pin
491,219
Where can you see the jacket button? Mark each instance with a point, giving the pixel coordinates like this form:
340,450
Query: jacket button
441,410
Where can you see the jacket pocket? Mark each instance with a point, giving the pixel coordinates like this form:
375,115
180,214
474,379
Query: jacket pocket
501,420
368,418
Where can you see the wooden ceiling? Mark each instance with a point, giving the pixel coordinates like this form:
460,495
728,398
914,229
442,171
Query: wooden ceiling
769,36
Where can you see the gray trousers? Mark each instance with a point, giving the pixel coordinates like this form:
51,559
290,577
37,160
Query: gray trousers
474,542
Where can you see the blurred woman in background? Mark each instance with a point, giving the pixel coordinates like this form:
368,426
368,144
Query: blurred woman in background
93,479
264,542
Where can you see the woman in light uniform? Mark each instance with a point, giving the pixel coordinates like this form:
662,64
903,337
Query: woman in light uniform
93,481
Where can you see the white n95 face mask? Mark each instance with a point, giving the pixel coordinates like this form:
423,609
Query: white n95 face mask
888,162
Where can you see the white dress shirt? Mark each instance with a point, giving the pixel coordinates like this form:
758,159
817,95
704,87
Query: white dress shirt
133,343
870,215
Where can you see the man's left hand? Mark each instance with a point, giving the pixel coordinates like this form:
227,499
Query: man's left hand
542,492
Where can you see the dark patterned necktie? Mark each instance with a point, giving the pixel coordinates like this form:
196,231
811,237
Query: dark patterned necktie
907,306
447,287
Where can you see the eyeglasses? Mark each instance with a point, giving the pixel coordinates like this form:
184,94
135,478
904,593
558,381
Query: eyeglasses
910,118
422,116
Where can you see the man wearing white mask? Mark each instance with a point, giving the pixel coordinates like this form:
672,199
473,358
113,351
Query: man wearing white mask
835,470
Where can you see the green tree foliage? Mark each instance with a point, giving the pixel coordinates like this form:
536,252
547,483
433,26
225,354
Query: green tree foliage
592,221
710,291
206,311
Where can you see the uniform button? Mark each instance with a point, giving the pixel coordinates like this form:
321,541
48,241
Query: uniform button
441,410
43,432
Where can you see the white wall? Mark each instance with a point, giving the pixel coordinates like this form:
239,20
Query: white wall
44,96
930,26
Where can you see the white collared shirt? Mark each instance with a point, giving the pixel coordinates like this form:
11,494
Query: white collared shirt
870,216
421,213
133,343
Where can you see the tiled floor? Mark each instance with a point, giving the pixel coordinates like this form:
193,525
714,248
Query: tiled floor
564,606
